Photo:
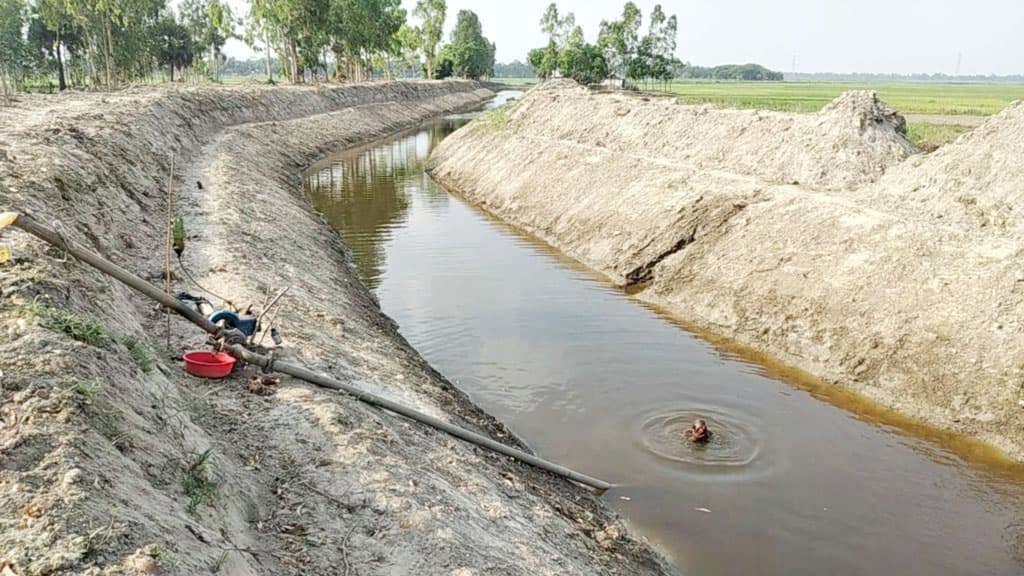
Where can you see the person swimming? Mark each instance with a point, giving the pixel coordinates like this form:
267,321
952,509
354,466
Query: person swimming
699,433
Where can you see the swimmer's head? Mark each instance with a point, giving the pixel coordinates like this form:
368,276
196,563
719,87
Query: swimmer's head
699,431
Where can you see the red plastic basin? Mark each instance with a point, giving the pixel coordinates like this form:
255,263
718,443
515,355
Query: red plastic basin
209,364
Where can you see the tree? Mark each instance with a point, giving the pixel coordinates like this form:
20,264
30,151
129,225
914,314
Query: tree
472,54
409,40
662,32
175,46
361,34
57,32
362,31
580,61
555,26
298,29
39,46
567,51
638,67
258,30
432,13
210,24
13,47
133,45
535,58
445,67
220,30
544,60
119,32
549,21
658,48
619,40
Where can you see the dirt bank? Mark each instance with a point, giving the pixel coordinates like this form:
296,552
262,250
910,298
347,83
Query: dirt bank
114,461
820,239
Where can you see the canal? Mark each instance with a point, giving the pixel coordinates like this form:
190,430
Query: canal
797,479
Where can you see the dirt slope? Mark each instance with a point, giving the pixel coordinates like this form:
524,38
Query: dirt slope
101,452
819,239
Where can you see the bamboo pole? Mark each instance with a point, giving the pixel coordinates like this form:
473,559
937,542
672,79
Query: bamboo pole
167,247
268,364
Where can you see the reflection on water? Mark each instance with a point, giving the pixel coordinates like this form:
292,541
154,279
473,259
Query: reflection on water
792,484
362,198
364,192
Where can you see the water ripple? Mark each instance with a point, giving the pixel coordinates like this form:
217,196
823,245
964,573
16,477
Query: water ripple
735,447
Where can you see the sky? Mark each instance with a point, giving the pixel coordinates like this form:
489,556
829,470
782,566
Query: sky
882,36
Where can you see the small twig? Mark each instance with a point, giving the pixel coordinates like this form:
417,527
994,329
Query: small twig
344,549
181,265
266,299
270,324
269,306
336,499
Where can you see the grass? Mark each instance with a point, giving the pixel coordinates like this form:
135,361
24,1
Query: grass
88,331
928,137
494,120
947,99
82,329
907,97
88,392
162,556
197,484
108,427
140,352
81,393
92,544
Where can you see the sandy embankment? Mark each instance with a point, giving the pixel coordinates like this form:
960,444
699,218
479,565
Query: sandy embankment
821,239
98,456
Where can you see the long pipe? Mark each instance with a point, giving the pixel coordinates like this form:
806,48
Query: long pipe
30,225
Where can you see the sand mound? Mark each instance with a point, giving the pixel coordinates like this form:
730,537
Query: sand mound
849,143
975,182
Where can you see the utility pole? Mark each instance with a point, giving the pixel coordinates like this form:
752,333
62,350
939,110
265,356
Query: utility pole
959,60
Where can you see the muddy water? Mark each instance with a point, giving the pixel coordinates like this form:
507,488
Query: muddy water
795,480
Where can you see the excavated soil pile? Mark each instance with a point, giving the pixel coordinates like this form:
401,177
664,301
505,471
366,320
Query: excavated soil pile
821,239
113,461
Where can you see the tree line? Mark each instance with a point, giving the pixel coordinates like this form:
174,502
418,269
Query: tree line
105,43
913,77
513,69
621,49
749,72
